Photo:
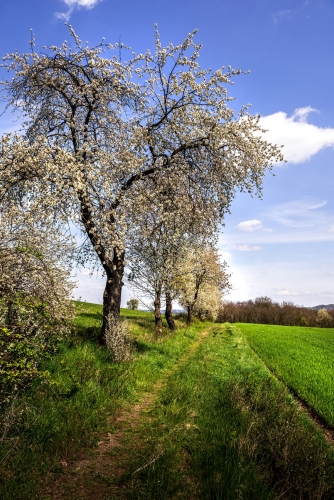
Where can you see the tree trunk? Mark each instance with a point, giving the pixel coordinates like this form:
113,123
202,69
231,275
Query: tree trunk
10,313
190,314
168,312
157,308
111,334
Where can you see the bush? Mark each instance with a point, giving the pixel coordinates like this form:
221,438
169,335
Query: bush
35,306
26,340
24,343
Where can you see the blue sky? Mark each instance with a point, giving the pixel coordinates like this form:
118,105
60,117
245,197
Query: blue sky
282,245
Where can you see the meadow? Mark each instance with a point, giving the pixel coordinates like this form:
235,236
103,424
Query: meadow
302,357
195,414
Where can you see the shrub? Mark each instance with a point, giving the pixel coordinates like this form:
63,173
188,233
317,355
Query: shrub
24,344
35,292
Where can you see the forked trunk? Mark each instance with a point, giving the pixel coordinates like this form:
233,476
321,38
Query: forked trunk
168,312
157,307
112,335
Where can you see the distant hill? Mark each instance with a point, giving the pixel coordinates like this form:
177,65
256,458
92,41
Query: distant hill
328,307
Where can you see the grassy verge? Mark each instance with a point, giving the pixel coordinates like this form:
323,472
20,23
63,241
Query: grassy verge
86,388
302,357
224,428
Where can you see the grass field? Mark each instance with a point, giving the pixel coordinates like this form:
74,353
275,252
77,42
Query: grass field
224,428
302,357
194,415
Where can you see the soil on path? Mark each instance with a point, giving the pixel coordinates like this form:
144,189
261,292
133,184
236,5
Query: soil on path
98,474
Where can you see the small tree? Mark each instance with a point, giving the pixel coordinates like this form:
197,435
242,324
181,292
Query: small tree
324,319
208,302
132,304
158,241
202,281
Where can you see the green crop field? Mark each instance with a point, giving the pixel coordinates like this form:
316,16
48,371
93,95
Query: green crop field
302,357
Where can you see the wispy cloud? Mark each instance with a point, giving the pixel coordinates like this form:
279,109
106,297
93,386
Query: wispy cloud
246,248
284,292
307,219
75,4
284,14
281,14
300,139
302,235
300,213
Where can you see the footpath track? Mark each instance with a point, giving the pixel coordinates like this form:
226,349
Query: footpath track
216,424
98,473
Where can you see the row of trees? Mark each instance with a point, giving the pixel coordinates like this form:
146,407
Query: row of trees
264,311
196,278
143,156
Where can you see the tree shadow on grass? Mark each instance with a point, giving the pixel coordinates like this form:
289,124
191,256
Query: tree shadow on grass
142,347
91,316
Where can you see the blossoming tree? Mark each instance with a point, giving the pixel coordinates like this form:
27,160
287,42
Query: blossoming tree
159,241
202,281
96,127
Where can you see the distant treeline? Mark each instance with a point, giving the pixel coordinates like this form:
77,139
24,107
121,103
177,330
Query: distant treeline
264,311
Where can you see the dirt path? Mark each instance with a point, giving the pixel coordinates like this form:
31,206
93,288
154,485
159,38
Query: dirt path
97,474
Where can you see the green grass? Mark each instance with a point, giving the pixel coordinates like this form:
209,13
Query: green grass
219,426
86,388
224,428
302,357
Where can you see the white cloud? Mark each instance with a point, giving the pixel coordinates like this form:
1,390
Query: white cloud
75,4
331,229
89,4
250,225
301,139
246,248
298,11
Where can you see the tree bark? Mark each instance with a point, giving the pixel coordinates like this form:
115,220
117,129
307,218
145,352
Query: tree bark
190,313
110,331
168,312
157,307
10,313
